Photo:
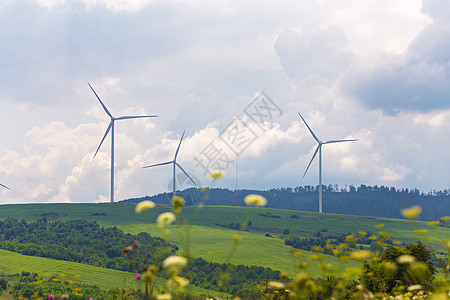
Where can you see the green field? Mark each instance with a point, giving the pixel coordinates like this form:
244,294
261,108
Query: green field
14,263
210,240
215,244
263,219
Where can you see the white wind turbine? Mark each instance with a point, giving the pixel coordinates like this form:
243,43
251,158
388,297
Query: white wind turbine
5,186
319,149
111,127
175,164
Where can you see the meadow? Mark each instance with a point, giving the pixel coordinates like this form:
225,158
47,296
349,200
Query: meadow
202,232
263,220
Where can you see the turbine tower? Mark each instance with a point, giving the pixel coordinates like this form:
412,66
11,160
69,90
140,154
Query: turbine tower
175,164
5,186
111,127
319,149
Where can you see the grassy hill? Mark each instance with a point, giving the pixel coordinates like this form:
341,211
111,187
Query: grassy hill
206,232
262,219
15,263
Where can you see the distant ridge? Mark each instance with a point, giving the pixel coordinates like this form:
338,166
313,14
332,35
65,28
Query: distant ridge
376,201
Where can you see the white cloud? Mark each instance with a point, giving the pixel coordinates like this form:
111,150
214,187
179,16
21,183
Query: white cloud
416,79
324,52
395,173
376,71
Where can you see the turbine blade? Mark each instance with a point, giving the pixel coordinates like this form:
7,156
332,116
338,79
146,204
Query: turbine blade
134,117
5,186
160,164
185,173
104,136
339,141
310,162
310,130
178,149
103,105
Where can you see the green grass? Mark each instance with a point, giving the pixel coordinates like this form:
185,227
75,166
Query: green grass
14,263
215,244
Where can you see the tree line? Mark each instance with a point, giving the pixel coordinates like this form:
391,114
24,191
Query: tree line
375,201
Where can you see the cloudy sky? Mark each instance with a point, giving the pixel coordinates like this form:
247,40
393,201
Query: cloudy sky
376,70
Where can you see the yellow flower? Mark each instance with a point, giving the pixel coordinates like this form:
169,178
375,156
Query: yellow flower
351,238
336,252
218,174
276,285
255,200
317,249
433,223
379,225
412,213
419,270
414,287
381,244
439,296
362,232
144,206
424,230
164,297
350,272
406,259
390,268
385,235
165,218
330,246
360,255
325,266
236,238
177,204
178,281
315,257
373,237
175,261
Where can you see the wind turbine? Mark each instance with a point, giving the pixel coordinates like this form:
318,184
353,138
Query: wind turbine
5,186
319,149
111,127
175,164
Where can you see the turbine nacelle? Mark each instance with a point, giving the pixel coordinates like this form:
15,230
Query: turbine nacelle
319,150
175,164
111,128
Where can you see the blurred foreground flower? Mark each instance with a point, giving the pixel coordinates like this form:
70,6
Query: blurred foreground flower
177,204
406,259
414,287
277,285
175,261
164,297
360,255
255,200
218,174
165,218
144,206
412,213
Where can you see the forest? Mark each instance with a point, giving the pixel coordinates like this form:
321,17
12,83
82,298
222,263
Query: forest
86,242
376,201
